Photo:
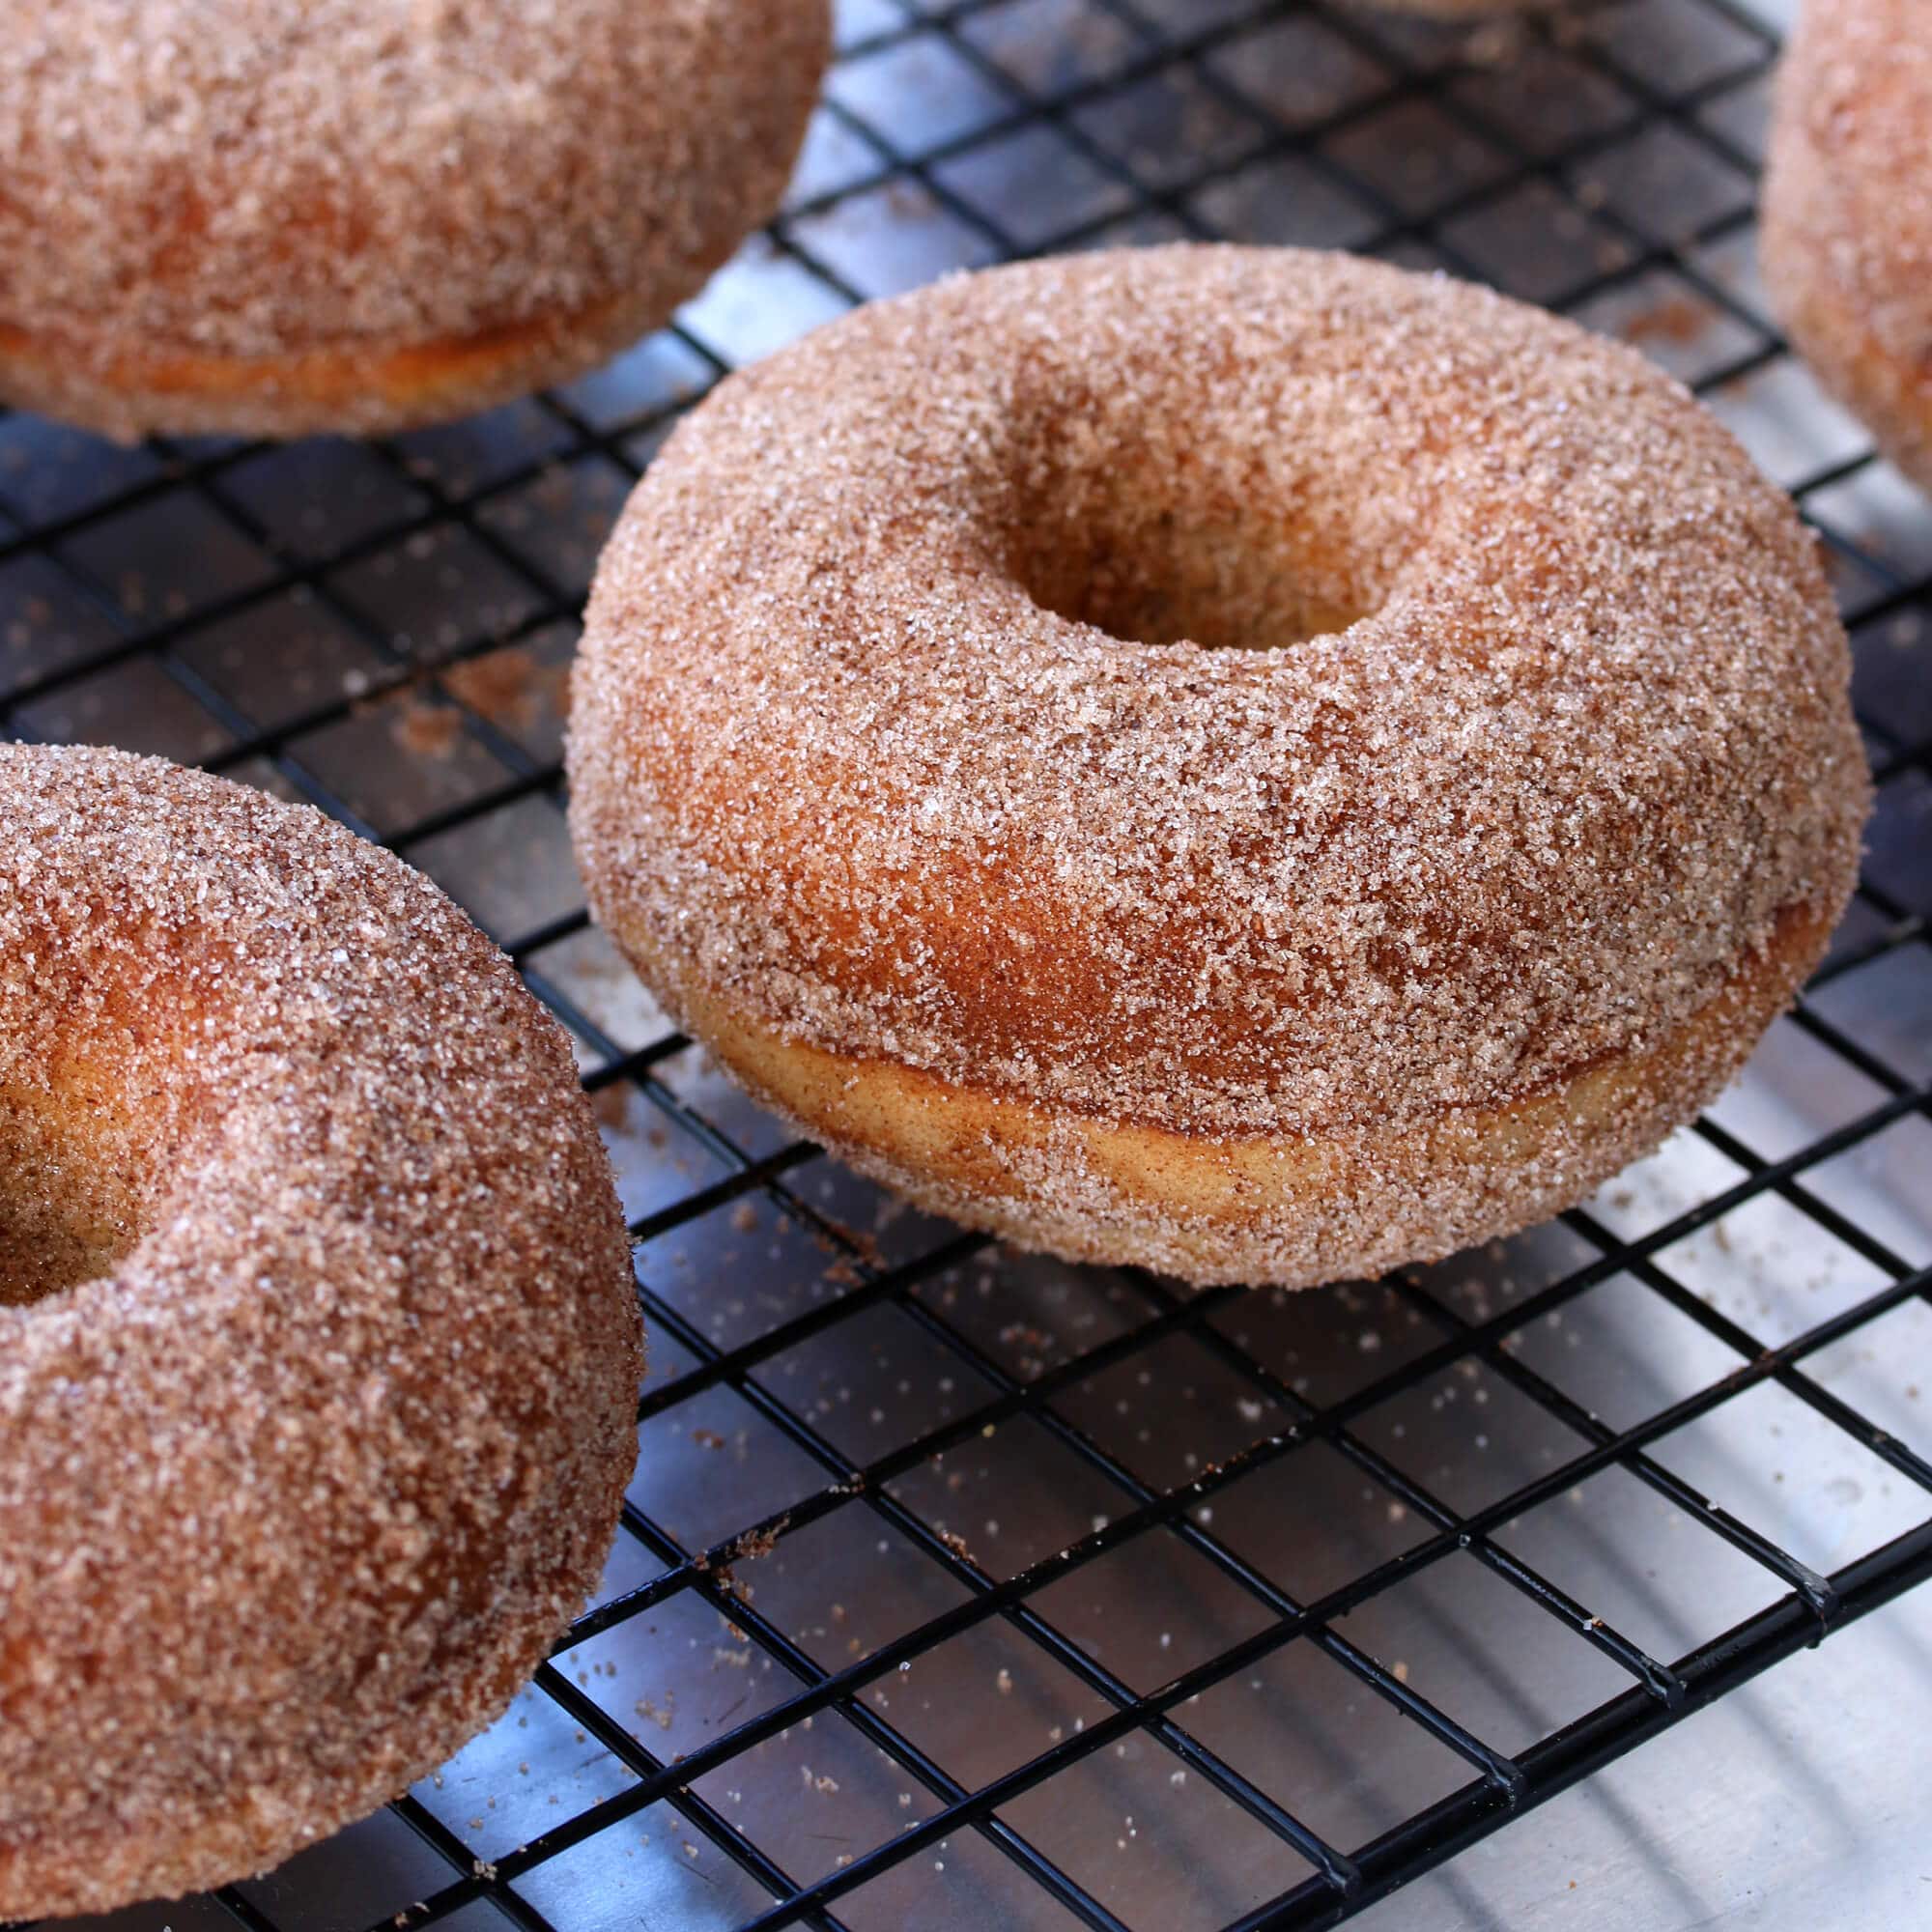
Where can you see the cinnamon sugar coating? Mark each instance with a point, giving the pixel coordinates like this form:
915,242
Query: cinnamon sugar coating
896,732
1846,226
318,1344
214,213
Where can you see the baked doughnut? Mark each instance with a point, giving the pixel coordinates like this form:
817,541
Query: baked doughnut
1245,762
280,217
317,1343
1846,226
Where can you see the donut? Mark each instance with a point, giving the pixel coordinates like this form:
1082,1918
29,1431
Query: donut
274,217
1248,762
1845,231
319,1347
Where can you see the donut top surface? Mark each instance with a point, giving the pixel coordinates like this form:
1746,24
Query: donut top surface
249,176
317,1372
1857,78
1233,690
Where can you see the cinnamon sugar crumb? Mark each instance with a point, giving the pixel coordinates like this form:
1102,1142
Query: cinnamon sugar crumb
1678,320
503,686
427,731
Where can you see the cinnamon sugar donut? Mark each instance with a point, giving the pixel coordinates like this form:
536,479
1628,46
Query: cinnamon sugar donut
279,216
1250,762
317,1343
1846,226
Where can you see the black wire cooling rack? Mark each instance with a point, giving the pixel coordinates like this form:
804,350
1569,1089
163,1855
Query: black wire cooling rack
960,1588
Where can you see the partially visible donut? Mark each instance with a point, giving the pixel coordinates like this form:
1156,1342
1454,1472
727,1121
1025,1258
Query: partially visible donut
1244,762
1846,225
284,217
318,1340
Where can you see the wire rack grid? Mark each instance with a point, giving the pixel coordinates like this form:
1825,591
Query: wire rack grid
961,1588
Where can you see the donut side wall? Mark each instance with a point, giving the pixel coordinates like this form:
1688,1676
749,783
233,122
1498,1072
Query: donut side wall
1251,1210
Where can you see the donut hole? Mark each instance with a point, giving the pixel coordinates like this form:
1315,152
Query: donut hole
75,1184
1158,552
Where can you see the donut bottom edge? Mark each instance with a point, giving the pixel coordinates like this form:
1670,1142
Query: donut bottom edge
151,389
1254,1210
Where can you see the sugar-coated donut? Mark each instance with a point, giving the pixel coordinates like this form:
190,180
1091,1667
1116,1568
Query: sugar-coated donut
1246,762
282,217
1846,226
318,1341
